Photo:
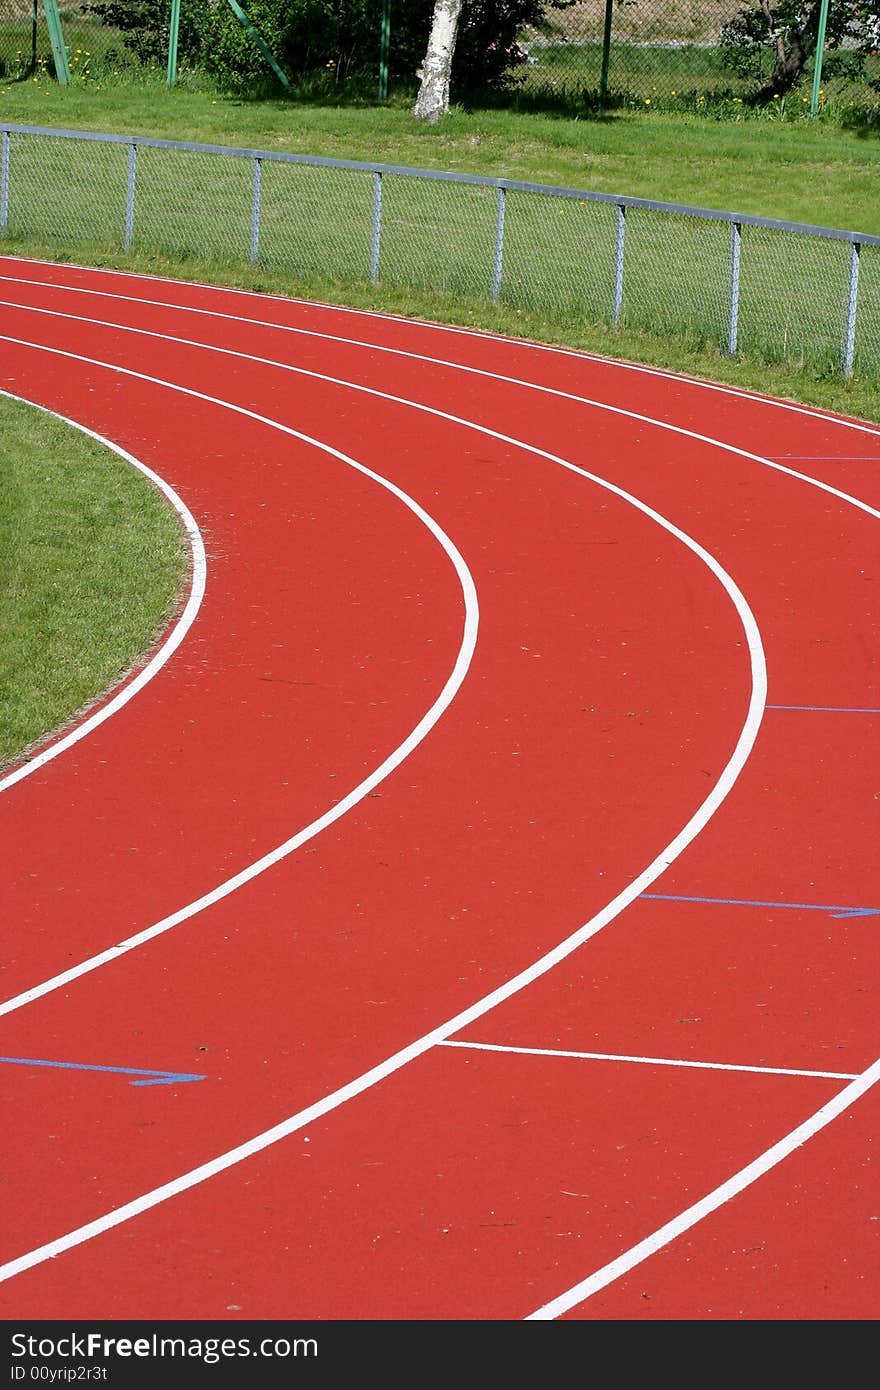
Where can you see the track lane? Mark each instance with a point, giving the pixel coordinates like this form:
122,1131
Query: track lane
507,844
261,666
842,450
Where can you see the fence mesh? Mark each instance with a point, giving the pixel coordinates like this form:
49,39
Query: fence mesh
559,256
315,223
667,53
867,356
93,49
576,258
192,206
676,275
437,234
670,47
51,196
780,311
678,53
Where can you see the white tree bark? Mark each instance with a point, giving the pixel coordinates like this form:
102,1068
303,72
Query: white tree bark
432,101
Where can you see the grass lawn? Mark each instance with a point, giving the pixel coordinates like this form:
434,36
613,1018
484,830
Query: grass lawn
91,561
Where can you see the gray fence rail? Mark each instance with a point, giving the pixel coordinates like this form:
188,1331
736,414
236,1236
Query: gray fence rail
769,289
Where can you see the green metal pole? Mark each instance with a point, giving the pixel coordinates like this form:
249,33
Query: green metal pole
34,19
173,36
384,50
606,54
255,38
56,39
820,51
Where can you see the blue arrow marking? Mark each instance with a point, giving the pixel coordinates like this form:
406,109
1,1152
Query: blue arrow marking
150,1078
746,902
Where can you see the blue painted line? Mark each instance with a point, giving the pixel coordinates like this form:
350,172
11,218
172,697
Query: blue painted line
150,1078
748,902
826,709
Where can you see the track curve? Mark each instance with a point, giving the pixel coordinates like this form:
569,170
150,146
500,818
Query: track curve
490,1042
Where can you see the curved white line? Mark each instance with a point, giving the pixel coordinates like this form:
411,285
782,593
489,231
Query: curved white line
452,329
422,728
440,362
266,862
668,1233
374,1075
461,1020
198,575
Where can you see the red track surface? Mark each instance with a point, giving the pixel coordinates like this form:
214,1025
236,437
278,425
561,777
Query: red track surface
615,684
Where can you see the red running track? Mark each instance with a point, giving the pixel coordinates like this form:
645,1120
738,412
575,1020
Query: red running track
484,838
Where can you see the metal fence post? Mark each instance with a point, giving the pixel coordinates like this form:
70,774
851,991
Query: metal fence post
851,344
619,243
173,37
129,197
606,54
733,320
253,35
4,181
498,265
817,58
56,38
849,347
256,202
384,49
376,239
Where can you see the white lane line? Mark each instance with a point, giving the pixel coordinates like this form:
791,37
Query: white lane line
646,1061
453,330
664,1235
692,828
826,1114
424,726
176,634
433,361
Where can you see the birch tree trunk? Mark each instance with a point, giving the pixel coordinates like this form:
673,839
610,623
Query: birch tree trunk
432,101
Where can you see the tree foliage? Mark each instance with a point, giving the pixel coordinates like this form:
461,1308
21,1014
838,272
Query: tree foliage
337,38
774,41
143,25
488,52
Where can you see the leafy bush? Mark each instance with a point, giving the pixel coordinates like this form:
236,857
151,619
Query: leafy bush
144,26
337,38
771,42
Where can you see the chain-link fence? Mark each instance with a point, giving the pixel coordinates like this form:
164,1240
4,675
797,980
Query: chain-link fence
745,284
82,48
683,54
638,48
678,54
